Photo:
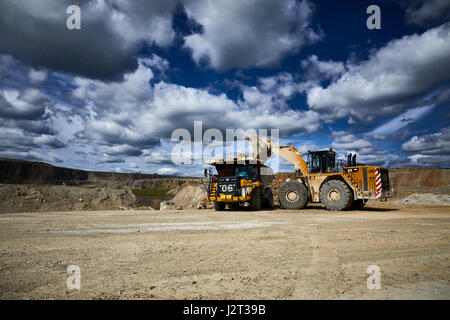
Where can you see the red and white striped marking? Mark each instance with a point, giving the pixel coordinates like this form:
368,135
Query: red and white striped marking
378,184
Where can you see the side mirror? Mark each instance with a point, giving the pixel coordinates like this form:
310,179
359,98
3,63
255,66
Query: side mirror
205,172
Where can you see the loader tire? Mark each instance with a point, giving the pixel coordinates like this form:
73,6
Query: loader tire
256,200
219,206
335,195
293,195
268,198
357,204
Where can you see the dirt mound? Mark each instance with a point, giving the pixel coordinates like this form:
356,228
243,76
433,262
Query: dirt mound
189,197
425,198
27,198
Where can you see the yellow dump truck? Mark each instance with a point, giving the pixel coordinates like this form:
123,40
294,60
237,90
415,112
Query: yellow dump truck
241,181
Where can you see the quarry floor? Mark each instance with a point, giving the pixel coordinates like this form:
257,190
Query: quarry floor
203,254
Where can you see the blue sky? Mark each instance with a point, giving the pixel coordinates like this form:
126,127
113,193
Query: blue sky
109,96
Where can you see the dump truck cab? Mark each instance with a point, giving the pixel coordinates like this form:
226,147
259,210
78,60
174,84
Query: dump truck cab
240,182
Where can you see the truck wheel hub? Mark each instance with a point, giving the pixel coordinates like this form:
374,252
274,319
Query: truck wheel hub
292,196
334,195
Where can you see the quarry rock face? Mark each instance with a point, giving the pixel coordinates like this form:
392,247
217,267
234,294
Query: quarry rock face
17,171
421,177
26,172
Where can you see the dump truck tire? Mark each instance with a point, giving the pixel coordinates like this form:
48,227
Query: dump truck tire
335,195
357,204
219,206
293,195
256,200
268,198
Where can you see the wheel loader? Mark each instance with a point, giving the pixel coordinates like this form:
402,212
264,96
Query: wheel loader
240,182
335,184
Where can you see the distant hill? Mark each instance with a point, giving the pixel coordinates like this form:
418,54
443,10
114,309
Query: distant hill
13,171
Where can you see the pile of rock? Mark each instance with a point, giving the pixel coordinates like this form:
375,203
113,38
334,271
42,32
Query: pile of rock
425,199
189,197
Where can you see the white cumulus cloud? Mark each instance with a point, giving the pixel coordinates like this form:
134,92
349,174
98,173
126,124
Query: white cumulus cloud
251,33
430,144
402,70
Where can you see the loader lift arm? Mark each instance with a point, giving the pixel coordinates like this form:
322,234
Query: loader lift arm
263,149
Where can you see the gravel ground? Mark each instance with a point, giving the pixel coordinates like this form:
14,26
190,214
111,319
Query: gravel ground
202,254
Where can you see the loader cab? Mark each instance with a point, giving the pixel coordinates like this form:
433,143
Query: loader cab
321,161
